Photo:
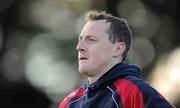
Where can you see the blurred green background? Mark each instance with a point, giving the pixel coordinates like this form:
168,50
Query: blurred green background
38,63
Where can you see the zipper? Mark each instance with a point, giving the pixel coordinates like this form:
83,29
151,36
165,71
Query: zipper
87,89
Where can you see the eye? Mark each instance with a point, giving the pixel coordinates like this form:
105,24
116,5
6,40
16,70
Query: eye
91,39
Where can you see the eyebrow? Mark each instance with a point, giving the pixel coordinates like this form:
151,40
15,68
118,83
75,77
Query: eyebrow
87,36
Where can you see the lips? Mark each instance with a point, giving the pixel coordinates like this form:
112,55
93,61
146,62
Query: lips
83,58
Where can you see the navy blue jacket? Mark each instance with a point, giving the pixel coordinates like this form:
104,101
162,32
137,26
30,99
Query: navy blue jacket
120,87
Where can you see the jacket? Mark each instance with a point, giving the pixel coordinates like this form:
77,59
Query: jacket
120,87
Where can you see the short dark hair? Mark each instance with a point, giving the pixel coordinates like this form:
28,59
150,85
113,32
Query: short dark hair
119,30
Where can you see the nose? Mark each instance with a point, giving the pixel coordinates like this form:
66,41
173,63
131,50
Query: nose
80,47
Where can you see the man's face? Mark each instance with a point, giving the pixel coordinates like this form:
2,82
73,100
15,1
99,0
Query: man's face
95,51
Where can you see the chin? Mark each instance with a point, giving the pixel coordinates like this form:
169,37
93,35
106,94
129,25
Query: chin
83,68
84,72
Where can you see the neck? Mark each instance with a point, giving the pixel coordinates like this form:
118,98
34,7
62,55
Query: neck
93,79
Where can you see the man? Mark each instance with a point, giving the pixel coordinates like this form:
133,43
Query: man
102,48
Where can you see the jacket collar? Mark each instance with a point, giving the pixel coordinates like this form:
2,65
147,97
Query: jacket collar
117,71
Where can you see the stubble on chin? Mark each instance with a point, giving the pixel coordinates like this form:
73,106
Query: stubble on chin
82,71
86,73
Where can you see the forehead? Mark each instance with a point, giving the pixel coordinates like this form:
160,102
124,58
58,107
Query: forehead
95,28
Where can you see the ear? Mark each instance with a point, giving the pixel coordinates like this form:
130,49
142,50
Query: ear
120,47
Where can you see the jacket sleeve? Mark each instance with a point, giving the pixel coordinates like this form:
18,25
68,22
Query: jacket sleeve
153,99
64,103
138,94
129,93
75,93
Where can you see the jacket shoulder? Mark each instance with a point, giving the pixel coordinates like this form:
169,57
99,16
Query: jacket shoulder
136,93
76,93
129,93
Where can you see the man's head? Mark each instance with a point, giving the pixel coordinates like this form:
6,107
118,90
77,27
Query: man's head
118,31
104,41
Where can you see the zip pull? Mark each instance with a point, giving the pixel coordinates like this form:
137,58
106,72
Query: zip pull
92,85
86,92
87,89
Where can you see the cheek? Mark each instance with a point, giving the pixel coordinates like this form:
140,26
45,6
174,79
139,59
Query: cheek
101,53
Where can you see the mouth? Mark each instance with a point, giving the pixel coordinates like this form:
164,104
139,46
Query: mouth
83,58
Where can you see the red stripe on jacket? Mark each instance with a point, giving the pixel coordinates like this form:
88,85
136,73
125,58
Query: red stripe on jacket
129,93
75,93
